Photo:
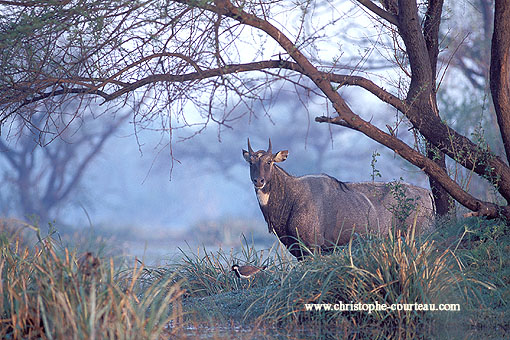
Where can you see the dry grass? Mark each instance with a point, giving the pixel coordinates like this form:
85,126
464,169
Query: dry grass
49,292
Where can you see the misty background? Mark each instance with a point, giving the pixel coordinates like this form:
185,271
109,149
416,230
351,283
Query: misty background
153,189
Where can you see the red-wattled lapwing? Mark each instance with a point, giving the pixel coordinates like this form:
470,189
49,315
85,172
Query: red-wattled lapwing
246,272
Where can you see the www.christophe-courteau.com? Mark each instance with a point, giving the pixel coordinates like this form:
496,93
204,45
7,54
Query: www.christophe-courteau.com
381,307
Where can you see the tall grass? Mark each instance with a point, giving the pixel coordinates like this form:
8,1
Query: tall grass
395,270
399,269
50,292
483,248
206,273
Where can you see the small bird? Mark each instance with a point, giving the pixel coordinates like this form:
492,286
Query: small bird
88,265
246,272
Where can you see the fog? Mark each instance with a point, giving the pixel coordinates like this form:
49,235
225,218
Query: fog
159,188
154,192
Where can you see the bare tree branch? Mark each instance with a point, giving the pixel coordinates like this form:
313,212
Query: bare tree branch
389,17
430,167
160,57
33,3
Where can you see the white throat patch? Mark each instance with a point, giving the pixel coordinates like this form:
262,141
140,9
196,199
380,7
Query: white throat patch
263,197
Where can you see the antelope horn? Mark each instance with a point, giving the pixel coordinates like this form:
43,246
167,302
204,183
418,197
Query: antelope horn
269,148
250,150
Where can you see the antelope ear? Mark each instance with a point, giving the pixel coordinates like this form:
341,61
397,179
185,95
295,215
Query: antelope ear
281,156
246,156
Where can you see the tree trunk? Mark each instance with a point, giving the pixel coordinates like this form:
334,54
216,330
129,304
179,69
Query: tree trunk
500,70
443,202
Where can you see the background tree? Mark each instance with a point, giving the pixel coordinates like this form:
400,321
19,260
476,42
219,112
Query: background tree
42,168
299,134
163,57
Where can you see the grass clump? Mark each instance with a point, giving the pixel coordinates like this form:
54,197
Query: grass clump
207,273
483,248
398,270
50,292
215,295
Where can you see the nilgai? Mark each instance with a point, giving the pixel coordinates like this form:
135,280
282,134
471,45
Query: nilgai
322,211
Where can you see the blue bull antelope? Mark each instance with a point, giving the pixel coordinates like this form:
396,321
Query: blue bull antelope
322,211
